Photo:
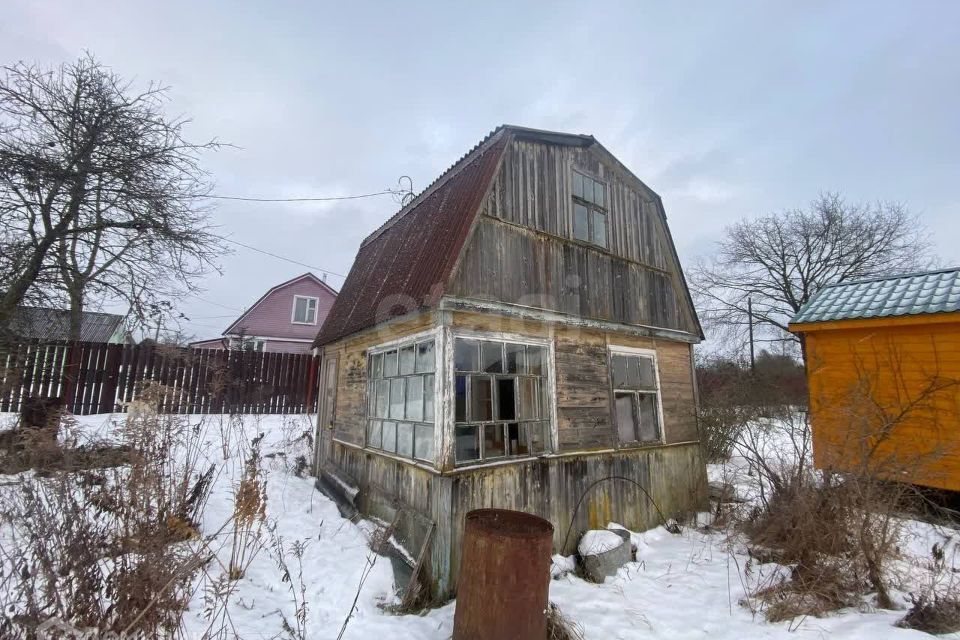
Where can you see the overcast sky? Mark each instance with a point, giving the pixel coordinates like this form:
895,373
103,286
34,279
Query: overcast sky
725,109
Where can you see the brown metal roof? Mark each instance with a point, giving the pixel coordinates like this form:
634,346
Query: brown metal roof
404,265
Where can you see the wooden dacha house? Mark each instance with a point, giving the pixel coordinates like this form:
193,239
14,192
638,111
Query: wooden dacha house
519,331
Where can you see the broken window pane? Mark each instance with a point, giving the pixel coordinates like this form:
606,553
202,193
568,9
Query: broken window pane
423,443
626,429
389,436
506,399
581,223
414,398
518,440
649,430
405,439
425,357
467,446
493,444
465,355
481,399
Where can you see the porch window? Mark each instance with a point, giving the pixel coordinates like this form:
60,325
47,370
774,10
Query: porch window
500,407
589,210
636,394
400,400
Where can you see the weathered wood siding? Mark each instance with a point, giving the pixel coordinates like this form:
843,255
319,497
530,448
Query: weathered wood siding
861,376
522,252
583,386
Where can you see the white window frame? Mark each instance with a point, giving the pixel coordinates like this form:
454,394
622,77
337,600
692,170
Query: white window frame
623,350
316,309
438,411
552,446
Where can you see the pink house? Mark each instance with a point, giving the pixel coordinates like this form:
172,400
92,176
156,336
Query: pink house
284,320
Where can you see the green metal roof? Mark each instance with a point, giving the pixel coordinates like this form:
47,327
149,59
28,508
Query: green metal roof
885,297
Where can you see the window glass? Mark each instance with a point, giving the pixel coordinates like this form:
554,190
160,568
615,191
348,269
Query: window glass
405,439
619,366
460,391
397,389
535,360
414,398
636,398
481,399
383,398
649,430
581,222
407,358
599,229
389,436
425,358
647,377
428,383
374,433
396,398
465,355
577,184
389,364
491,357
493,443
423,442
504,404
467,445
513,360
598,193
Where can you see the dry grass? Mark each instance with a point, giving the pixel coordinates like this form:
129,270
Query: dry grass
560,627
935,615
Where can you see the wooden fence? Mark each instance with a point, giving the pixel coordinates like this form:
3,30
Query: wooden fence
107,377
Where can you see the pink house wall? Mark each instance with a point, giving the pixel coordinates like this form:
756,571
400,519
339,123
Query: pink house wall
272,316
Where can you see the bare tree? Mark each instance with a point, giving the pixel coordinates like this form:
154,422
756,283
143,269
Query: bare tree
100,193
779,261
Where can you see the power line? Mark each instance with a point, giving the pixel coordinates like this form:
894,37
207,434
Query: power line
326,199
279,257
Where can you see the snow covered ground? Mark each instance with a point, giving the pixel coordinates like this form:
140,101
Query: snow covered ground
682,586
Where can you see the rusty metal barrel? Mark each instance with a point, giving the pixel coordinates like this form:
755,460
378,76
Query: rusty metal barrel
504,582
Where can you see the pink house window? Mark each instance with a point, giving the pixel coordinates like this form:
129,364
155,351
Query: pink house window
304,310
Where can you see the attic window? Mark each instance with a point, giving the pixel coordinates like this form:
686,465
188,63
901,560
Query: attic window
589,210
304,310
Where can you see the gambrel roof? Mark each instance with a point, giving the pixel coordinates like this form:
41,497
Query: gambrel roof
885,297
405,265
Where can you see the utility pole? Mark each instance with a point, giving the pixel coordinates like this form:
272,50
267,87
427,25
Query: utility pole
753,362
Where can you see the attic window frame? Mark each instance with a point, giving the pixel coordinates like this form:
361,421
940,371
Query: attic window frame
593,208
316,309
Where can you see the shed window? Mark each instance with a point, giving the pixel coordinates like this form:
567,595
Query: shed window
400,406
589,210
304,310
636,395
500,406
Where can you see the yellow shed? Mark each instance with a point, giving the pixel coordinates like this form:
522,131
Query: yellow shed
883,365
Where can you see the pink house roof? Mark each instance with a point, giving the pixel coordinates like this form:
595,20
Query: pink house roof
271,316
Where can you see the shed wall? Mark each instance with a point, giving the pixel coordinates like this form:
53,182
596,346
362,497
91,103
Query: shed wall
861,377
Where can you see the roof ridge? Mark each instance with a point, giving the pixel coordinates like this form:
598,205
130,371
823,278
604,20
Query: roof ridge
912,274
438,182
